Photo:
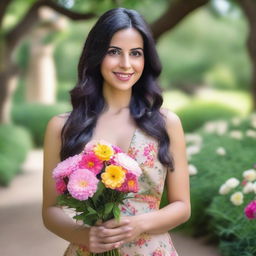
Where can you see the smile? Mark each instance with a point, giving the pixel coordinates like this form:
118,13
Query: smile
123,76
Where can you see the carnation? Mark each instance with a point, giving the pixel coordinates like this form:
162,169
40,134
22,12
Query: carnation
237,198
127,163
250,175
232,182
221,151
236,134
82,184
250,210
66,167
224,189
248,188
192,169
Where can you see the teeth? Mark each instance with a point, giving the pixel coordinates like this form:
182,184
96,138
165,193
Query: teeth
123,75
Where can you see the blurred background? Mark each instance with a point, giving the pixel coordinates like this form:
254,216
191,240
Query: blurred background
208,53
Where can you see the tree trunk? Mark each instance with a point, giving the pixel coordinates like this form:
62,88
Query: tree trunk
249,9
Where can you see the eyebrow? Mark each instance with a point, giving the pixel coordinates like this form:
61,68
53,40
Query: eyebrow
118,48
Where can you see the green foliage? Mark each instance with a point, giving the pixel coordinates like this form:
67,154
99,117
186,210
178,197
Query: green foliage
215,169
198,112
228,221
200,44
35,117
15,143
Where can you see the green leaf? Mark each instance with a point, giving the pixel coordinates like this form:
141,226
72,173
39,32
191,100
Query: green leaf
116,212
108,208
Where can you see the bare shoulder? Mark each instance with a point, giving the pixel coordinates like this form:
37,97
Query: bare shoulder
173,122
56,123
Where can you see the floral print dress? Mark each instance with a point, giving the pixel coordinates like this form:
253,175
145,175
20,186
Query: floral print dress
143,149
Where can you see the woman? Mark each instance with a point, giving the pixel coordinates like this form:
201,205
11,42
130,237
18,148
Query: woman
117,99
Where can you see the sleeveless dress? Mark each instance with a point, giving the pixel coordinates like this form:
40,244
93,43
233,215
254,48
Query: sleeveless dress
143,149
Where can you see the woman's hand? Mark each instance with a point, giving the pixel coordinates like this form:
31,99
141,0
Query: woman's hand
112,234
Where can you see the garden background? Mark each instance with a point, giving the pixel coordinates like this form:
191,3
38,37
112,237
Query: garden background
208,53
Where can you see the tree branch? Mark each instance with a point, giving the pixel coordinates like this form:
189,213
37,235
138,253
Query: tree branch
3,7
31,18
175,12
249,9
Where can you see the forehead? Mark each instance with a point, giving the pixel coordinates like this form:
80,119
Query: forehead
127,38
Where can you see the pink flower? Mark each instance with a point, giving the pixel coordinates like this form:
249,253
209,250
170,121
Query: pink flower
117,149
250,210
66,167
91,162
127,163
61,186
82,184
130,184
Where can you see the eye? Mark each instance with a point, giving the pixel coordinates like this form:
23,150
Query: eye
136,53
112,52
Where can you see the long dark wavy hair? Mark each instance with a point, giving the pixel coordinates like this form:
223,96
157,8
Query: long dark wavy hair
87,98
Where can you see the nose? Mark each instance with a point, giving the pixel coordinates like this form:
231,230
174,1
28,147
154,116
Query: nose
125,61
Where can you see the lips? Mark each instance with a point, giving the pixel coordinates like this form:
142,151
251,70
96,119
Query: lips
123,76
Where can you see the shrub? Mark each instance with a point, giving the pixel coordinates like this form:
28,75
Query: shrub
225,150
194,115
15,142
35,117
235,230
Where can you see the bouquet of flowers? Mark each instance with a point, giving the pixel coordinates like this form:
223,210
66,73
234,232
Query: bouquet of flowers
95,182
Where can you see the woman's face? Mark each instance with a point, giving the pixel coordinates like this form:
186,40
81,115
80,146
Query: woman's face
123,64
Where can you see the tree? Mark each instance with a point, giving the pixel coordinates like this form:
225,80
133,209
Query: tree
175,12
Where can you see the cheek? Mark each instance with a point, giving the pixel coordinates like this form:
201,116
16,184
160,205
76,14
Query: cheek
139,66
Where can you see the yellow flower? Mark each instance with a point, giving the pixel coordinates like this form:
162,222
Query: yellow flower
103,152
113,177
237,198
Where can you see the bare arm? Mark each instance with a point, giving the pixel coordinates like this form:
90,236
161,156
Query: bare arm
178,210
54,218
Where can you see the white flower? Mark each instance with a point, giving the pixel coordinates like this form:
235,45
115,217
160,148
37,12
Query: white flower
210,127
236,134
248,188
192,169
221,151
128,163
237,198
249,175
236,121
193,138
222,127
232,182
193,149
224,189
251,133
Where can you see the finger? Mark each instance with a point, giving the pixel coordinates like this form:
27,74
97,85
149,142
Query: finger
106,232
101,247
113,223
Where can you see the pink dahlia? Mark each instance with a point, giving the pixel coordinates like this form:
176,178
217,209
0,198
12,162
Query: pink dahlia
250,210
130,184
61,186
66,167
91,162
82,184
127,163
